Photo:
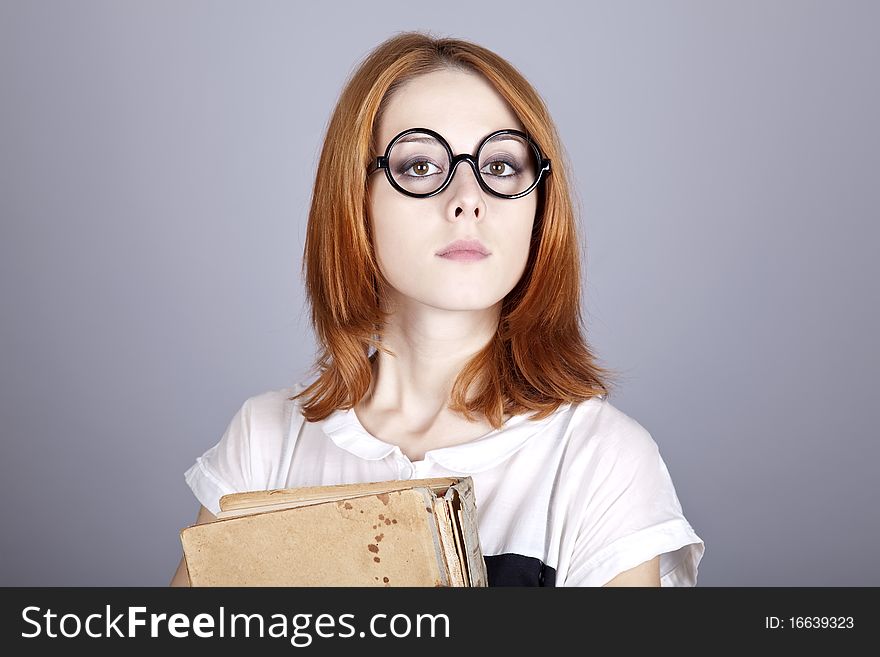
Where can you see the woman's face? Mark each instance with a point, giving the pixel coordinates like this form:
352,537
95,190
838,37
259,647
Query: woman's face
408,232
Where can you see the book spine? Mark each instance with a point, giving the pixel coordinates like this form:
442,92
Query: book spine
464,506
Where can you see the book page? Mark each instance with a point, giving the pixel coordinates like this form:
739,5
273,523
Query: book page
452,558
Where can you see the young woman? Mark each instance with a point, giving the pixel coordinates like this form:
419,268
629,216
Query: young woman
443,274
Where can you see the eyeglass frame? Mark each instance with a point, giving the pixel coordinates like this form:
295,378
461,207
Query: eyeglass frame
381,162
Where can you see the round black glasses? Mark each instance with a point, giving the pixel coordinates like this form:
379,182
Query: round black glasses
419,163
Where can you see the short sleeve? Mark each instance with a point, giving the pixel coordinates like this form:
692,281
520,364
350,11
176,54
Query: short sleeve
631,514
227,466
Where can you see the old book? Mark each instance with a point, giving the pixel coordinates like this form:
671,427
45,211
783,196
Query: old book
419,532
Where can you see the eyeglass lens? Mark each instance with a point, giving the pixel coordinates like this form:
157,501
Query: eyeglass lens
419,163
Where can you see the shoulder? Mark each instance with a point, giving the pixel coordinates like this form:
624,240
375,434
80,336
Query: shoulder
271,407
270,401
265,429
601,431
607,451
247,455
260,427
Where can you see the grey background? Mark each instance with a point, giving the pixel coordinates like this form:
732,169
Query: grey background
156,162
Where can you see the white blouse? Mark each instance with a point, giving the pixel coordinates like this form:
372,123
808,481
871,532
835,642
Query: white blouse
570,500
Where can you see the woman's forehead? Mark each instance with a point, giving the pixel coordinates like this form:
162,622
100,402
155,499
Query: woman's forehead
462,107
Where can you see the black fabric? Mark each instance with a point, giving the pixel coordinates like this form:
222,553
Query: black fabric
517,570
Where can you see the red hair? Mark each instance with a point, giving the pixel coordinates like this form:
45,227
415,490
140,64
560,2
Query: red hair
538,358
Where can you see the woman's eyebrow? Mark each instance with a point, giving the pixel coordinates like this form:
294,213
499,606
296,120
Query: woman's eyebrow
415,139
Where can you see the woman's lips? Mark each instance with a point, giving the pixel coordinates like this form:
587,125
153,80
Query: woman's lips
464,256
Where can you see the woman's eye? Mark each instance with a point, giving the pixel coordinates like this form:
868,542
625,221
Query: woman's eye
497,168
421,168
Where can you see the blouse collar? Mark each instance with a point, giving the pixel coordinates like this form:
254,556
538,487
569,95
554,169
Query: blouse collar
482,453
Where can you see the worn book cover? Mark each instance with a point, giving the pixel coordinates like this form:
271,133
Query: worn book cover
419,532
